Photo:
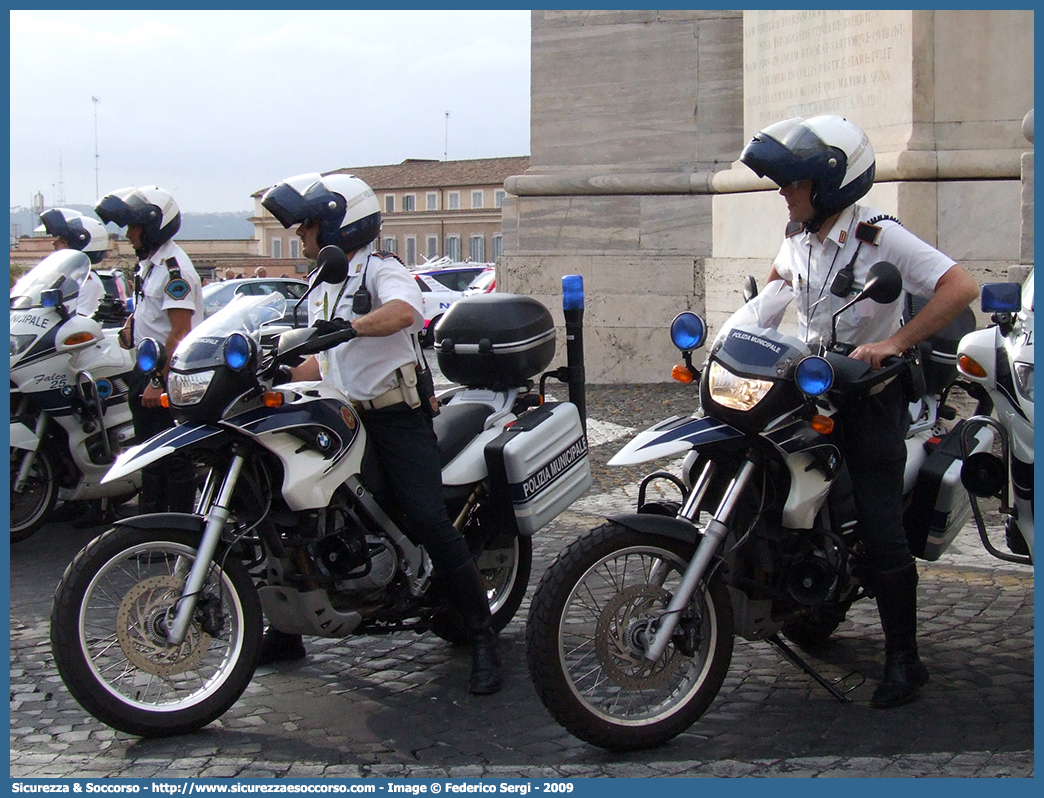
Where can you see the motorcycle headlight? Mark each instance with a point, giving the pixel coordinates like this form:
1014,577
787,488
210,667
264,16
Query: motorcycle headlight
188,389
1024,380
735,392
19,343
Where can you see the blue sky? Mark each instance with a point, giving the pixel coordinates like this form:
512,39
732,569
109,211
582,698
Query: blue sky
216,105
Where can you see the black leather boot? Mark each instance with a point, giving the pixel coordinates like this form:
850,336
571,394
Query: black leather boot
469,597
280,647
904,674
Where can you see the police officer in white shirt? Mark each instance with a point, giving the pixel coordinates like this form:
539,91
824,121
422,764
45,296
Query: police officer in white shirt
823,165
72,230
168,303
380,301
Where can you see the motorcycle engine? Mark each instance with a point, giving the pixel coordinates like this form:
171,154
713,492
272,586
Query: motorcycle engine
356,561
813,577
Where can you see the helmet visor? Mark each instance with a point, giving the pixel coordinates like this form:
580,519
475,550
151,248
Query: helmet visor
287,205
123,207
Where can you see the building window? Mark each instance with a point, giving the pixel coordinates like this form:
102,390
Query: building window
409,202
477,249
277,247
295,247
477,199
389,203
498,198
498,246
454,200
411,250
432,246
388,244
453,247
432,201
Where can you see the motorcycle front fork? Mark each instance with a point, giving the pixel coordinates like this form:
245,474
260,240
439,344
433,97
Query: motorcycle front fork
29,459
713,536
217,518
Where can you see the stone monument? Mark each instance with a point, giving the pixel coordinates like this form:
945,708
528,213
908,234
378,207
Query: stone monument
638,118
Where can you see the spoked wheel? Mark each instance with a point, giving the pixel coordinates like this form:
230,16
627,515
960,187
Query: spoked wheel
592,615
108,633
31,505
505,565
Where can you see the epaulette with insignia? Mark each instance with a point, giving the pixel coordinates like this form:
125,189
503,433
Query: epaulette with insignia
793,228
380,253
868,232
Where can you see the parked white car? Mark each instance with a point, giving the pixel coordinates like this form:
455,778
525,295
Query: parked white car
440,288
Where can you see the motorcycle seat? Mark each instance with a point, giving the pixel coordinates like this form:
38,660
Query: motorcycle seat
457,425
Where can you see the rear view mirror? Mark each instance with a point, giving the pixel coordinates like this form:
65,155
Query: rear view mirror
332,265
883,283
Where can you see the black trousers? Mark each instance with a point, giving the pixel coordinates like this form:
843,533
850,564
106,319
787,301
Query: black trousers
874,429
403,443
168,485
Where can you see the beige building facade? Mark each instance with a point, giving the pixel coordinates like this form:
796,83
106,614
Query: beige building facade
429,210
638,188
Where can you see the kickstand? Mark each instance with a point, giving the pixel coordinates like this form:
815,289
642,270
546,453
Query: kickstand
795,659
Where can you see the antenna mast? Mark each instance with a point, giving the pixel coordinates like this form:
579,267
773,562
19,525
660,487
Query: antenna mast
96,100
445,151
59,198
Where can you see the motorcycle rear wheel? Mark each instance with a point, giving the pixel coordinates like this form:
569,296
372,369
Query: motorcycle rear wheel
505,566
30,508
108,642
584,640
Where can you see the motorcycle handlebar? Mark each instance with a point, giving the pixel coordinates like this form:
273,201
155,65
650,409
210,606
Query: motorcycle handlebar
855,375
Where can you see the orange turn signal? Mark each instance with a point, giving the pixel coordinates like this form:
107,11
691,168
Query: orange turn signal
970,366
824,425
682,374
272,399
78,338
164,400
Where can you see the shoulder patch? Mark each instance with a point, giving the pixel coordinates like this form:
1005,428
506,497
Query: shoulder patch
177,288
793,228
380,253
867,233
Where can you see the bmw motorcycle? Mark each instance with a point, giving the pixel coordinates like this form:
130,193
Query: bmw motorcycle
156,625
69,411
630,632
1000,359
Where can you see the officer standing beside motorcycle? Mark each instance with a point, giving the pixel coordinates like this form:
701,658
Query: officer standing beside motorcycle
823,165
72,230
379,305
168,303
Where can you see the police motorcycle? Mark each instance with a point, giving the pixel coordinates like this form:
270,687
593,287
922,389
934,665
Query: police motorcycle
1000,359
69,411
630,631
157,624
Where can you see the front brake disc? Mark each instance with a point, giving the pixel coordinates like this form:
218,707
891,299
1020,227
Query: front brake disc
624,631
141,630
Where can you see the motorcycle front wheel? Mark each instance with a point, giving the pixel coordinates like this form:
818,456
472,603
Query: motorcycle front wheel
591,615
31,505
107,633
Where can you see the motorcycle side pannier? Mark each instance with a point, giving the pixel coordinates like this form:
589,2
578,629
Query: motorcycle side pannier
940,506
539,465
495,341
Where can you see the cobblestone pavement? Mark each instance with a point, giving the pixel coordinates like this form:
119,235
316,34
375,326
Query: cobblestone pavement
397,706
